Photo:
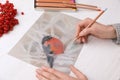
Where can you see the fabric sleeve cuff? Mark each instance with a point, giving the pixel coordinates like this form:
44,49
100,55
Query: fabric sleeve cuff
117,28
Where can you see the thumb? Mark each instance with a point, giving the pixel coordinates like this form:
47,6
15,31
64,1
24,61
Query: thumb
79,74
85,32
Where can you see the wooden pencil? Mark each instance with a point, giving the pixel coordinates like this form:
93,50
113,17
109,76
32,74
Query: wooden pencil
50,5
55,1
53,6
65,2
102,11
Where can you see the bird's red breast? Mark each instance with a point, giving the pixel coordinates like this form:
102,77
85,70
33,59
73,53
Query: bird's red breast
56,46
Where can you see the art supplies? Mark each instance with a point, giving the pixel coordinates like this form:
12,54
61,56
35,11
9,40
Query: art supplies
62,5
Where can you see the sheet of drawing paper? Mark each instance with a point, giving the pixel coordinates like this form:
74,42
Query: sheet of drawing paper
100,60
29,48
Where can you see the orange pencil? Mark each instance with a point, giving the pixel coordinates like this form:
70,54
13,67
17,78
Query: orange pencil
65,4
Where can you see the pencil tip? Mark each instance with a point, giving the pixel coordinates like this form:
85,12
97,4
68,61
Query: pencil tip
105,9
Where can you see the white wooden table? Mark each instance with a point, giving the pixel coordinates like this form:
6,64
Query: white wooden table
8,41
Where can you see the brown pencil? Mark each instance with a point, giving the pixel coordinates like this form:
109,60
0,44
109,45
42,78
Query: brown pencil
66,5
102,11
65,2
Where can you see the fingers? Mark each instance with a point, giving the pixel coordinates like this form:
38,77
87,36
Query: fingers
81,30
80,27
79,75
82,24
84,39
85,32
46,75
76,71
59,75
84,35
54,72
78,30
40,77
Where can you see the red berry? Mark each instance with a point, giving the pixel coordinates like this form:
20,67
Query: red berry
22,13
1,31
7,17
1,35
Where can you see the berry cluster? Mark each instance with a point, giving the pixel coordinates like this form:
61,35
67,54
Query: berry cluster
7,17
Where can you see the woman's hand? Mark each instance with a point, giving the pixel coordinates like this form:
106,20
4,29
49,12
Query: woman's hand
46,73
97,30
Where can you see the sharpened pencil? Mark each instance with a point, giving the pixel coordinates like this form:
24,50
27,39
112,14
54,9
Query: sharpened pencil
64,4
